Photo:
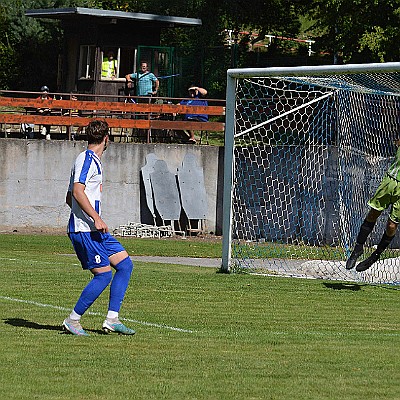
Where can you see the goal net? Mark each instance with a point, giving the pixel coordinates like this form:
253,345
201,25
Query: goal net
305,149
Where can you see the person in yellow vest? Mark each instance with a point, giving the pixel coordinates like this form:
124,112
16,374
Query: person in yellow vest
109,66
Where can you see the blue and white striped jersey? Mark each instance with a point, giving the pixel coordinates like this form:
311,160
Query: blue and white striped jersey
87,170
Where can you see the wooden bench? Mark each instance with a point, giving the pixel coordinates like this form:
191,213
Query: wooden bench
120,115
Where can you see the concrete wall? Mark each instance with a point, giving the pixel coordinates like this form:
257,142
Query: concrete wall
34,176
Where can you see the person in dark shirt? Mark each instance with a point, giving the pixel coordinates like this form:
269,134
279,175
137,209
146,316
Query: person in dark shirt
45,131
196,95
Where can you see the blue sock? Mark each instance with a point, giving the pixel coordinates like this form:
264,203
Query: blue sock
119,284
92,291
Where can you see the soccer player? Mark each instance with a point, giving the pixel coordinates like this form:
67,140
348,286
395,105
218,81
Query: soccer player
387,194
96,248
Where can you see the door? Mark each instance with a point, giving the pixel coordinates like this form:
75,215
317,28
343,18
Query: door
161,63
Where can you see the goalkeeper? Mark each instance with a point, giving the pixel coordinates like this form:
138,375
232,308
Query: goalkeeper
387,194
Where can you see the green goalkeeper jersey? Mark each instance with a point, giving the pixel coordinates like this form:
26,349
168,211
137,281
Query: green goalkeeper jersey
394,169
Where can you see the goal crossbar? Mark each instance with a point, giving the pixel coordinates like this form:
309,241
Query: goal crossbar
313,70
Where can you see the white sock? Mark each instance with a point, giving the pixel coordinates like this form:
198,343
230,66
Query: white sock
112,315
74,316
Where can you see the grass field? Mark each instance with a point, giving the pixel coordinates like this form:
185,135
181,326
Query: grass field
200,334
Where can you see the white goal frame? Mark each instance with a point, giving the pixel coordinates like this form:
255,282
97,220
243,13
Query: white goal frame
231,128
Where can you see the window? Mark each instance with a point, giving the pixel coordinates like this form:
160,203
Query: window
86,62
110,61
117,62
128,60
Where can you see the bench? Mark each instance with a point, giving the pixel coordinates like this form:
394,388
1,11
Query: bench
121,116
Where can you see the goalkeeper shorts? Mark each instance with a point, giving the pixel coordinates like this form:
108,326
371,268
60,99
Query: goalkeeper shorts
387,194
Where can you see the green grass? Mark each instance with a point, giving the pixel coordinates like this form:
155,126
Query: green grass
215,138
267,250
241,337
38,245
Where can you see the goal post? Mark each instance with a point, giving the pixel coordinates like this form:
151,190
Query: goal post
305,148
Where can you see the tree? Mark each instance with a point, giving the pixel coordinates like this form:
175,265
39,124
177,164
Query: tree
358,30
351,30
8,59
29,47
279,17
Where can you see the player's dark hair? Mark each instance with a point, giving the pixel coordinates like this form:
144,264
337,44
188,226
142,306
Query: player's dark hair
96,131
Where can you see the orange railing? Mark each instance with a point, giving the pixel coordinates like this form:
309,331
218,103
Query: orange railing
156,114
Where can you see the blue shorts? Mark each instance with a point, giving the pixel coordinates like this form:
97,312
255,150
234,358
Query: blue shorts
94,248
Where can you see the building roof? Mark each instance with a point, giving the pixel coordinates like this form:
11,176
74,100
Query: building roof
81,12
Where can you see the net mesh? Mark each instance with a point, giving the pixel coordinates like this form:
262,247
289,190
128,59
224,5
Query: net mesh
309,152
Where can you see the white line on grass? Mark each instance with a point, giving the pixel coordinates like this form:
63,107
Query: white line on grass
35,303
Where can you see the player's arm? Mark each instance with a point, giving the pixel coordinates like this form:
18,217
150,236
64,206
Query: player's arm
129,80
78,191
202,91
156,86
68,199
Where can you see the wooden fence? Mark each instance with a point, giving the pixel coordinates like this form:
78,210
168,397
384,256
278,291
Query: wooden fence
159,114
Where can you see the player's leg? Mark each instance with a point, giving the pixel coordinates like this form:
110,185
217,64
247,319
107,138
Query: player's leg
182,135
123,269
381,200
192,139
382,246
101,279
94,258
121,262
366,228
390,231
48,127
392,192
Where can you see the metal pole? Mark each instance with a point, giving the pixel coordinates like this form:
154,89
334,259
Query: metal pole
228,173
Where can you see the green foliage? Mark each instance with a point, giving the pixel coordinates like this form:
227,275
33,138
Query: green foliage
29,45
8,66
358,30
351,31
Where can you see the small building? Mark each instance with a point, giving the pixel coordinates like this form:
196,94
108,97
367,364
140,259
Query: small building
92,35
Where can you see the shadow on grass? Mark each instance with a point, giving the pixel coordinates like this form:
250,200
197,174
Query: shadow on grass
23,323
343,286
